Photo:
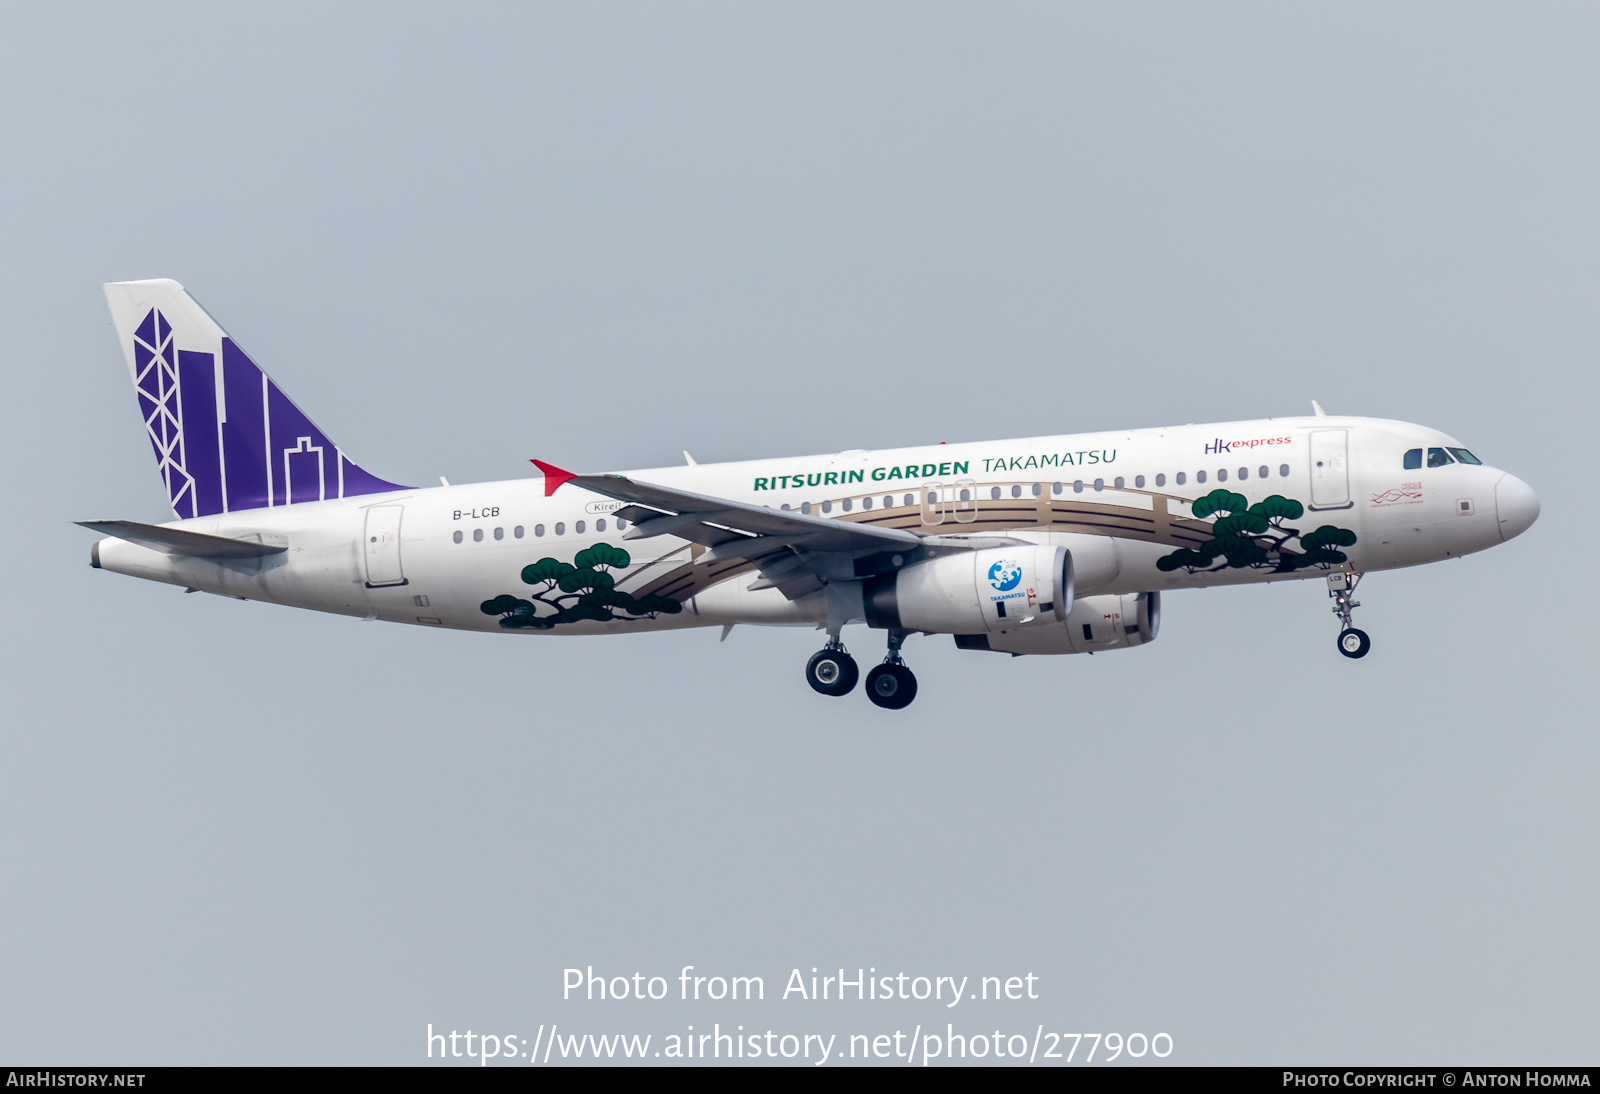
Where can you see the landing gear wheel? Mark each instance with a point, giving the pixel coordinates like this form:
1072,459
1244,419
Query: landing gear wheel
832,671
1354,643
891,686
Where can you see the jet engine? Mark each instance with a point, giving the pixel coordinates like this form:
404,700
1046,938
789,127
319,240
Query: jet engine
1096,623
999,589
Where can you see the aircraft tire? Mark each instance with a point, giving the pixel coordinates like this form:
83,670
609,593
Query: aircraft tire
891,687
1354,643
832,672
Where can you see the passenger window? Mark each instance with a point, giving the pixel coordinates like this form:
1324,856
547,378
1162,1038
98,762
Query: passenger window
621,524
477,535
1138,481
1056,488
1244,472
1438,457
866,503
1283,470
888,501
827,507
561,527
580,527
1077,487
538,531
457,537
1199,476
994,493
1222,475
600,525
499,533
1161,480
1016,491
1119,483
845,505
517,531
1099,484
1466,457
910,500
966,495
1181,478
1413,460
1038,488
1261,472
805,507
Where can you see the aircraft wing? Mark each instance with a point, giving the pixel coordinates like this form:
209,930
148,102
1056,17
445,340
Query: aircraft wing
732,529
725,525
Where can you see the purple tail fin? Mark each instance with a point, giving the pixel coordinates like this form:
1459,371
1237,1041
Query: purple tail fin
226,437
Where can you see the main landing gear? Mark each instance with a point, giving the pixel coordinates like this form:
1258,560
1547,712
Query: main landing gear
1352,641
832,671
891,685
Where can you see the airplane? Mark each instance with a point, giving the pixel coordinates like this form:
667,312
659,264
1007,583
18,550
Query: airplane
1036,545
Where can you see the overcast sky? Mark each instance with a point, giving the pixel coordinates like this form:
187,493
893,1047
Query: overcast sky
464,236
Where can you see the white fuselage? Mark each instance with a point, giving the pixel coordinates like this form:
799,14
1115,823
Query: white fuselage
1115,500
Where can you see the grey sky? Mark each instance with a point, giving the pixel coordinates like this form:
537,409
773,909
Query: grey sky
600,235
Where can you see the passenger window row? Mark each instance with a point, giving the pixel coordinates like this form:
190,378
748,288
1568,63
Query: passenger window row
1439,457
848,503
996,492
1180,479
538,530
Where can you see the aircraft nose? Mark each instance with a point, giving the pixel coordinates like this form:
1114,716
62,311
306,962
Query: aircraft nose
1517,505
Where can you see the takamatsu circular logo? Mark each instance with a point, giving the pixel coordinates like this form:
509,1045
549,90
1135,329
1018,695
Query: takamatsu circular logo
1005,575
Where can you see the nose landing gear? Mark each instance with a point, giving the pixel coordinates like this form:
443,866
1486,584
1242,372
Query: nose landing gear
831,670
891,685
1352,642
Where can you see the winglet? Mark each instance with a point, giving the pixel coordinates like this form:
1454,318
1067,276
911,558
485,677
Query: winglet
1316,408
553,476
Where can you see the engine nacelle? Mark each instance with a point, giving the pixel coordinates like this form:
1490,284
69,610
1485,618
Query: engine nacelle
1096,623
993,590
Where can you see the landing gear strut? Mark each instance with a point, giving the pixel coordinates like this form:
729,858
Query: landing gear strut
1342,586
891,685
832,670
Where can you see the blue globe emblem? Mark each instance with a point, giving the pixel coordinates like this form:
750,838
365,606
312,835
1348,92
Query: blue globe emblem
1005,575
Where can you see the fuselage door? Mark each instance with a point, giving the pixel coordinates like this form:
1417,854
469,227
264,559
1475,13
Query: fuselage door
382,542
1330,469
964,500
958,499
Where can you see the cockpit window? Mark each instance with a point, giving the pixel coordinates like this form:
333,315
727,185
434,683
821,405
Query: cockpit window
1414,460
1465,457
1438,457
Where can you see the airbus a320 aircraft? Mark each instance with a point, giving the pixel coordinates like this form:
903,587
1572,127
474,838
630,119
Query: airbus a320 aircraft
1039,545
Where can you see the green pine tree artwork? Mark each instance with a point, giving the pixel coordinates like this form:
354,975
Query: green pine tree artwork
583,589
1257,537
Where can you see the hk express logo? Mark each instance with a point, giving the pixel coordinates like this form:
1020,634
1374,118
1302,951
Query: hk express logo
1219,445
1005,575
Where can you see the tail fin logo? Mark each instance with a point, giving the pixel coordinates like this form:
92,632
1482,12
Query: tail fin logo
159,385
225,435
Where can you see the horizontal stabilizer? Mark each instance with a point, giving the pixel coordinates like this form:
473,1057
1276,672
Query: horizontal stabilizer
175,541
